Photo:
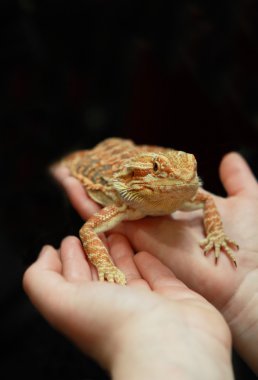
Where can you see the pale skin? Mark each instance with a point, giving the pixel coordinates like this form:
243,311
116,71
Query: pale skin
153,328
174,241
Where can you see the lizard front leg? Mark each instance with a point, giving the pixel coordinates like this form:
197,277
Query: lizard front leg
215,236
94,248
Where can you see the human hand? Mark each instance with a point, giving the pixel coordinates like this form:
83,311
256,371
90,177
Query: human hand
153,328
174,240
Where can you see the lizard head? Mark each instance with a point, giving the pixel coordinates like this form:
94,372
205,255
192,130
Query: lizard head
162,180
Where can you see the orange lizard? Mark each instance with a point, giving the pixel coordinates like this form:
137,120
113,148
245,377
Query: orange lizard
133,181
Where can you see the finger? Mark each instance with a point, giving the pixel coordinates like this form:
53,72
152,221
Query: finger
160,278
79,199
152,269
48,260
75,266
236,175
122,255
42,280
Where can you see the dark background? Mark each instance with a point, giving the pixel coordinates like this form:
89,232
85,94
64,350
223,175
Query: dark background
182,74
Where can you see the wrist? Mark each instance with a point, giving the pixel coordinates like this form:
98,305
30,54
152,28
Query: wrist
241,313
159,353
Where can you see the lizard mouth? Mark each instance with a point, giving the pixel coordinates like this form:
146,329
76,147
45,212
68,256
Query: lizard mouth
176,184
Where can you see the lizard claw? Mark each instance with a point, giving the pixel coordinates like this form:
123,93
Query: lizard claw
112,274
219,243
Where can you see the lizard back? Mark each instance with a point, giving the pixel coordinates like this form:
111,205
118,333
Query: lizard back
95,168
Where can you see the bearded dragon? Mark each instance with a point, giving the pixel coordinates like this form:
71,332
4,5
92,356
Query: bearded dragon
132,181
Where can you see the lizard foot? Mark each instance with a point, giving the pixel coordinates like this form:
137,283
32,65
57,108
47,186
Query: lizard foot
219,242
111,273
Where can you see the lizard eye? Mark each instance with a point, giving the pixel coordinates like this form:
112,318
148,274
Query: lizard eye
155,166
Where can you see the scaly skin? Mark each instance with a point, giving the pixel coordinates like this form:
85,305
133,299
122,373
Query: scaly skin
133,181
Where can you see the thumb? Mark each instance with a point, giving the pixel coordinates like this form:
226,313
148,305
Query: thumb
236,175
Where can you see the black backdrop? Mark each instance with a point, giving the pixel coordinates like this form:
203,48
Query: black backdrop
181,74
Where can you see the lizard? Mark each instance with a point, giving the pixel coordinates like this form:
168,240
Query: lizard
133,181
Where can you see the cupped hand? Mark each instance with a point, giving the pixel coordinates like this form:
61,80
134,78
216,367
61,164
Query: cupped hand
154,322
